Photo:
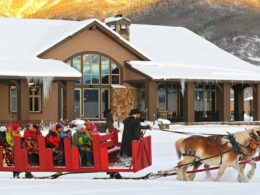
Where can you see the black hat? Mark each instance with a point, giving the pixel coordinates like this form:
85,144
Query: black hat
135,111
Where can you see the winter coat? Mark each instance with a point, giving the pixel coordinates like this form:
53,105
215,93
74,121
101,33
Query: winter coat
3,141
16,133
63,135
9,138
53,140
31,134
30,141
132,131
82,141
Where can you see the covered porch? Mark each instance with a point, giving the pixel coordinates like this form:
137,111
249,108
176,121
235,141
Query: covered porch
35,90
189,93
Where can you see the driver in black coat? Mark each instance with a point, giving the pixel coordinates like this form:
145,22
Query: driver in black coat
132,131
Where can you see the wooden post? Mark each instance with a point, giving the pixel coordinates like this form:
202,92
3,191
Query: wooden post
189,114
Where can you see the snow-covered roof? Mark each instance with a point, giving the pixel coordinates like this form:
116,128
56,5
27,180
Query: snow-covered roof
193,72
22,40
178,53
36,67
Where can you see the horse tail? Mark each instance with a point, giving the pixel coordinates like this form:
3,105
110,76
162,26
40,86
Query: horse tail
178,144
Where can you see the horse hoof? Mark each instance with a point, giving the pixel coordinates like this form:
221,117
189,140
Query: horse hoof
191,177
178,178
249,176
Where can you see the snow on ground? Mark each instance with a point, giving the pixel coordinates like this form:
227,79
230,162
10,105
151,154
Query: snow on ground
163,158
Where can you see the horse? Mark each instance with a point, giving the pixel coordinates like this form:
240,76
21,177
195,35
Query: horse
216,150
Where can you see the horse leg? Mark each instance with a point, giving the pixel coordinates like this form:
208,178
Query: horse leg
221,171
179,171
251,172
182,168
208,173
240,169
192,175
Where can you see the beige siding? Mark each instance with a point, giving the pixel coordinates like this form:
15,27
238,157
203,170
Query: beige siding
49,107
92,41
4,106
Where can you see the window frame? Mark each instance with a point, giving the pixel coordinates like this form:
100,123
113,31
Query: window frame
99,86
10,99
34,97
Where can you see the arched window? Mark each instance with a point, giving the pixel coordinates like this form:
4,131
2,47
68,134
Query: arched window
92,91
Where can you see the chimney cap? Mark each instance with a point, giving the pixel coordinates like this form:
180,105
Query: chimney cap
117,18
118,15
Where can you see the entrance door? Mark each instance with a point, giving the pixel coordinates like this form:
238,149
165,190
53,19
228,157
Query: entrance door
91,103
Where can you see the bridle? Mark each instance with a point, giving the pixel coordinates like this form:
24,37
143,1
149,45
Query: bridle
254,141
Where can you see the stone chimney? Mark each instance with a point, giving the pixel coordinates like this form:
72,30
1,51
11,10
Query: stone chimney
119,24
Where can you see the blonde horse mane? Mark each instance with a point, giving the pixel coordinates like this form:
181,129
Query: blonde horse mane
242,137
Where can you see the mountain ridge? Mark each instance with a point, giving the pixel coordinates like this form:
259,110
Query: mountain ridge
233,28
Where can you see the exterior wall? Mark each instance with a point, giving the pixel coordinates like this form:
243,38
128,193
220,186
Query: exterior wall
95,41
69,101
131,75
124,99
4,104
23,101
92,41
151,99
49,107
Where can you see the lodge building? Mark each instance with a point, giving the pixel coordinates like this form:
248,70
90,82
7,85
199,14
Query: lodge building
54,69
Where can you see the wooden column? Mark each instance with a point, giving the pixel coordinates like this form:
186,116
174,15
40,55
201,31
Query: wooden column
256,102
223,102
23,101
69,101
189,114
151,97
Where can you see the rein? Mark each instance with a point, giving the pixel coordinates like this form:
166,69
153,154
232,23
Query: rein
187,133
202,159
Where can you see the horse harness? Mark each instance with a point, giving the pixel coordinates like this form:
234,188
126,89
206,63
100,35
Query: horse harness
254,141
190,151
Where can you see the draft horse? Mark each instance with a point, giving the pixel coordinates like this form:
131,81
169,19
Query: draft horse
217,151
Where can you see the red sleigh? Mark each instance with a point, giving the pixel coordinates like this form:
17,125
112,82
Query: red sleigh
105,154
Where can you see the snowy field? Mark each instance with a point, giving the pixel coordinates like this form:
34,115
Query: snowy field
163,157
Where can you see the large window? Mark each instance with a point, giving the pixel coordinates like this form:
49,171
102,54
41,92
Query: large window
170,101
35,98
162,96
205,102
92,91
13,99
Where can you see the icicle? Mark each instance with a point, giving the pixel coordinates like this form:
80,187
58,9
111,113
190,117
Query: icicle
46,84
182,86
